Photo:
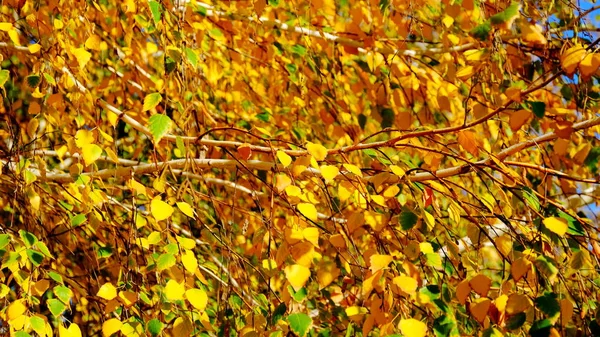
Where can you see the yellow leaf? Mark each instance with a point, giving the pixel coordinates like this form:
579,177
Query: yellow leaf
84,137
379,200
311,234
14,36
16,309
426,248
378,262
111,327
329,172
465,73
190,263
570,59
83,56
160,210
589,65
6,26
93,42
174,290
353,169
297,275
34,48
556,225
532,33
412,328
391,191
72,331
406,283
318,151
293,191
90,153
284,158
308,210
397,170
186,209
197,297
107,291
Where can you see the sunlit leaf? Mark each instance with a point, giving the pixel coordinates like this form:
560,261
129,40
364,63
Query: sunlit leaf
284,158
297,275
111,326
160,210
318,151
174,290
556,225
412,328
151,101
308,210
197,297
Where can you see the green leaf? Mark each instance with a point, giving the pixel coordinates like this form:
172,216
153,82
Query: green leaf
49,79
104,252
444,325
43,249
35,257
299,50
4,240
299,295
546,266
56,277
33,80
516,321
538,108
78,220
510,13
548,304
151,101
299,323
56,307
408,220
159,125
165,261
63,293
191,56
28,238
540,328
155,327
278,313
531,199
21,334
482,31
4,76
38,324
156,10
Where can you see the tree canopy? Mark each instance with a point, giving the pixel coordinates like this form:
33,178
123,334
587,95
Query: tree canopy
299,168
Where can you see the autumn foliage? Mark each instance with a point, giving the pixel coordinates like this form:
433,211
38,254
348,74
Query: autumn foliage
299,168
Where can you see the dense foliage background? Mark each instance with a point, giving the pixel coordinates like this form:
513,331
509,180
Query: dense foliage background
299,168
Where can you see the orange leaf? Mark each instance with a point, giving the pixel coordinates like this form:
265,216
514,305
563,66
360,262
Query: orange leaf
518,118
244,151
480,309
480,284
468,141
